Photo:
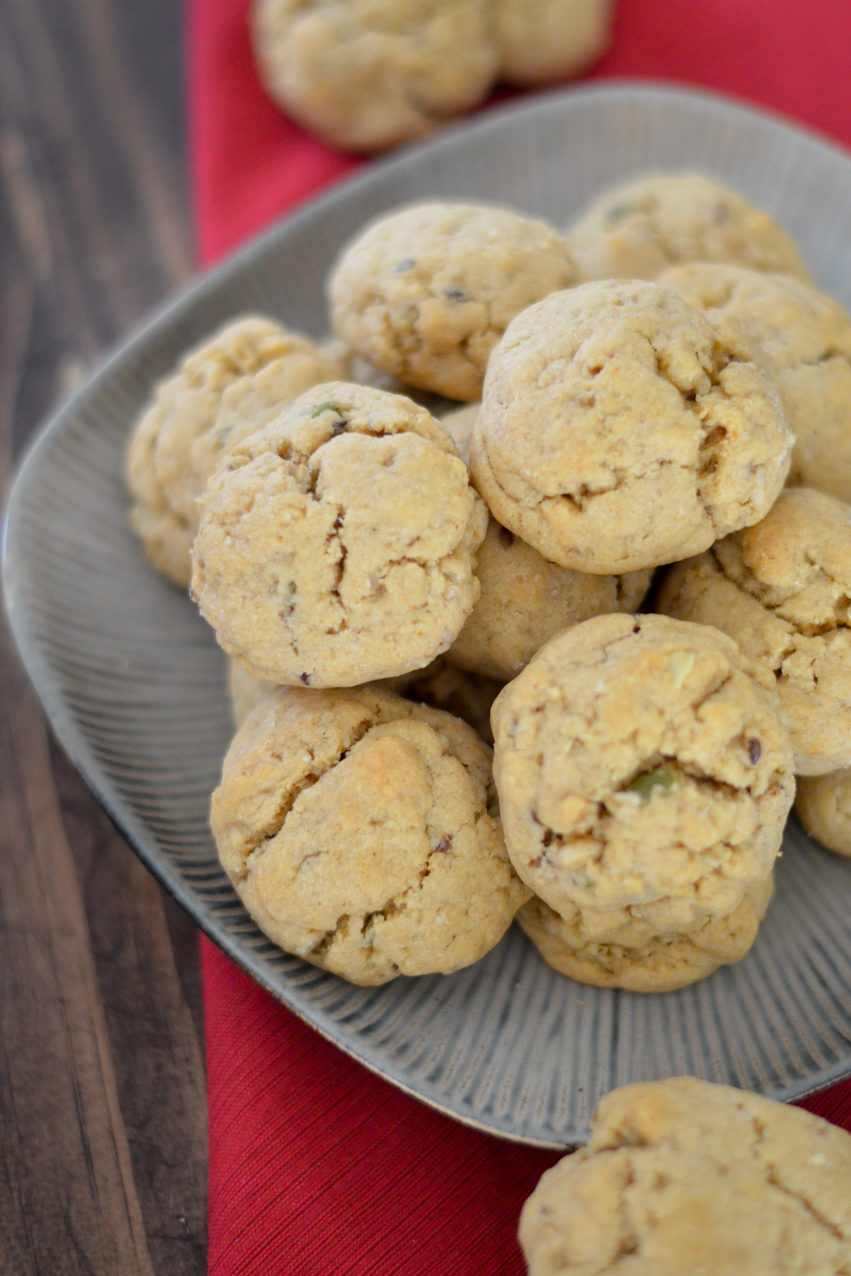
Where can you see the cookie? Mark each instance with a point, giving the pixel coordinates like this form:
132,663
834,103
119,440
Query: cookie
613,949
425,292
806,338
637,228
224,388
369,74
621,428
442,685
459,425
542,41
355,827
683,1176
782,590
525,600
244,691
639,766
337,545
823,805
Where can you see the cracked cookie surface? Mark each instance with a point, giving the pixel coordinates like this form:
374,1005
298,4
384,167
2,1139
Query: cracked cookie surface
426,292
369,74
639,765
806,338
357,828
685,1176
230,384
614,949
782,590
620,428
336,546
526,600
639,227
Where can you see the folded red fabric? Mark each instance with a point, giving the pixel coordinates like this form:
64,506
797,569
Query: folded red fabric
317,1167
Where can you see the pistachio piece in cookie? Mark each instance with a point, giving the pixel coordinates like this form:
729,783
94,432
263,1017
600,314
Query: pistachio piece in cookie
620,428
636,229
806,339
640,766
782,590
683,1176
337,545
355,828
426,292
226,387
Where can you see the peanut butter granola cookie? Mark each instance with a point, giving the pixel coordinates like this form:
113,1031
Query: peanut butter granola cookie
223,389
543,41
682,1176
636,229
369,74
357,828
337,545
621,428
806,339
426,292
782,590
823,805
640,766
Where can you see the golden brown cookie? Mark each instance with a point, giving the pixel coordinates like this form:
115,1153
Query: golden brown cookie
634,230
542,41
459,425
442,685
806,338
425,293
525,600
782,590
337,545
355,828
823,805
369,74
226,387
684,1177
639,766
614,949
621,428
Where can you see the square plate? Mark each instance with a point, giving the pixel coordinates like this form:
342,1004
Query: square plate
133,682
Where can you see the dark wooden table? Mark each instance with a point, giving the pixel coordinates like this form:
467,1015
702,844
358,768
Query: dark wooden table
102,1103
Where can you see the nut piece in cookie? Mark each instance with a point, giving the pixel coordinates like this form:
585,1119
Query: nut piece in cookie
681,1176
782,590
426,292
621,428
615,949
368,74
639,766
636,229
525,600
543,41
337,545
231,384
823,805
806,339
355,828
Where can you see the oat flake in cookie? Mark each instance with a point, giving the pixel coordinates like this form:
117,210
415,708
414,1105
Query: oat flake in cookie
620,428
640,766
337,545
426,292
685,1178
358,830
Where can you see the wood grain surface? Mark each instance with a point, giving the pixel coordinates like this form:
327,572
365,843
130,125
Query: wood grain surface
102,1104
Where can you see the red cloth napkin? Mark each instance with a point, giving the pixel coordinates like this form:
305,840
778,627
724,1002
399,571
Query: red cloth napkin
318,1168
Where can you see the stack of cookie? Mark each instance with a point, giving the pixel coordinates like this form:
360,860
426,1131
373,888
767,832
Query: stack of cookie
616,424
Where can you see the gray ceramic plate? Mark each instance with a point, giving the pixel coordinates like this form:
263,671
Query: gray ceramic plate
133,682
